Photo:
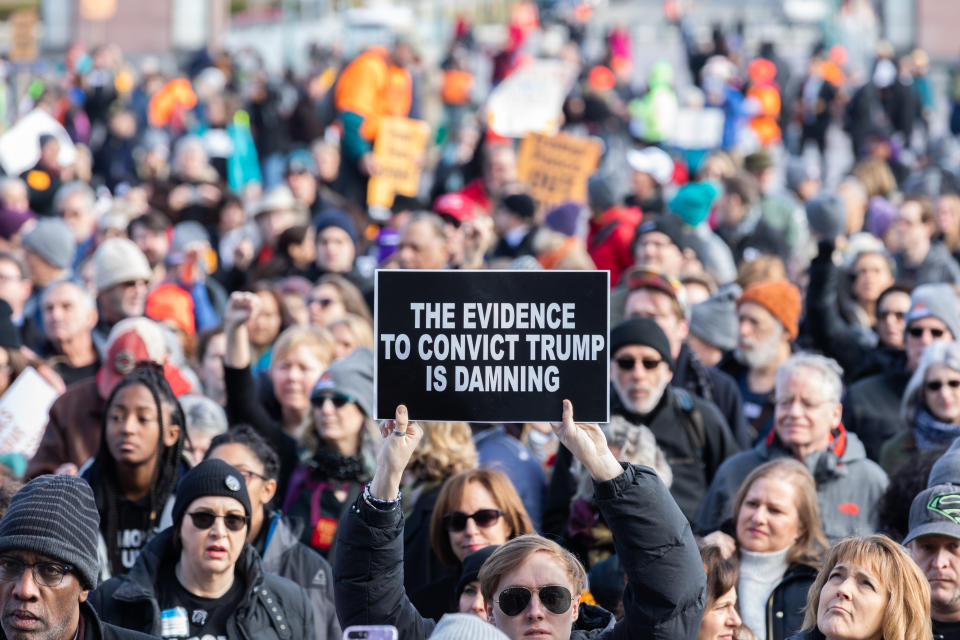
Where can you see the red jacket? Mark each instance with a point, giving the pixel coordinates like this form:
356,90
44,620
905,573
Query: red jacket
610,241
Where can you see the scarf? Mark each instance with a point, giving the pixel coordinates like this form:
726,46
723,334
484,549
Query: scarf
331,464
932,433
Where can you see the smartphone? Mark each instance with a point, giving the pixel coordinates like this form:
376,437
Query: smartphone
370,632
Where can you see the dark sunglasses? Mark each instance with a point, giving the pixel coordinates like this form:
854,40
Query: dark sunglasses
484,518
323,302
204,520
555,599
936,385
338,400
899,315
627,363
917,332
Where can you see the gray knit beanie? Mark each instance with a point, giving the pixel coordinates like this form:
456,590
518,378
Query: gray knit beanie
715,319
350,376
827,215
946,470
52,239
55,516
465,626
936,300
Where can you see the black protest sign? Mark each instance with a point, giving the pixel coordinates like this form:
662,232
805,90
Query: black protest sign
492,346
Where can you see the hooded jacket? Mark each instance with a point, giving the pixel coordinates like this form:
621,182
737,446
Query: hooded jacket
848,484
272,607
871,408
666,582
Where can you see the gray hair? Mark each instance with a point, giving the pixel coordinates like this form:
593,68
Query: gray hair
185,145
637,445
84,297
831,373
70,189
433,220
8,182
203,415
942,353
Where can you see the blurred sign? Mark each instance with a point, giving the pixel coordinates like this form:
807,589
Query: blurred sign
399,149
23,413
530,100
23,35
556,168
698,129
20,144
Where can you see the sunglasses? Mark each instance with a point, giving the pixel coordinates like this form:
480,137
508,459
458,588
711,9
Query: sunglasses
204,520
555,599
628,363
323,302
917,332
338,400
484,518
936,385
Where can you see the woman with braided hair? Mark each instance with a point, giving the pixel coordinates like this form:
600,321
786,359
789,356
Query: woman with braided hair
137,467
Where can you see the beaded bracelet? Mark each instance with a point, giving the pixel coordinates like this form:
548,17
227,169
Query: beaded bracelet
376,503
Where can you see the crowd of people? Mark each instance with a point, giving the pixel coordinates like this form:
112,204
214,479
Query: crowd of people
187,262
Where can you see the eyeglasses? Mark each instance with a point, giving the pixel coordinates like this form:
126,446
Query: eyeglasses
204,520
46,574
485,518
323,302
555,599
338,400
628,363
899,315
250,475
917,332
936,385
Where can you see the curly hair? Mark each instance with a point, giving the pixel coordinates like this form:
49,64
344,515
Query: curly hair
446,449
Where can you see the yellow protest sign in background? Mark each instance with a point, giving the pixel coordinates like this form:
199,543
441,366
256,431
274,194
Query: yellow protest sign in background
556,168
399,149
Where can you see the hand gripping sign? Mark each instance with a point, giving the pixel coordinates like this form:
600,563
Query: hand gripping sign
492,346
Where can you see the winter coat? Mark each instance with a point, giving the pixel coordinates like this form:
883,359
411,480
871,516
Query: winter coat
714,386
664,598
610,240
95,629
785,606
73,430
938,266
848,485
272,607
285,556
871,408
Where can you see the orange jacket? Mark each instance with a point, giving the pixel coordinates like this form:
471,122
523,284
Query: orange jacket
372,87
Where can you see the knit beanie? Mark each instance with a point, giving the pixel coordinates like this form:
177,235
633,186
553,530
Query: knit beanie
336,218
520,205
693,201
644,332
880,215
9,333
350,376
465,626
170,302
52,239
471,567
119,260
55,516
187,233
211,477
780,298
827,215
946,470
668,224
11,221
566,218
600,192
935,300
715,319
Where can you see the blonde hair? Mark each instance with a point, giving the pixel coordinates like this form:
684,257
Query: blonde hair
317,340
446,449
907,614
359,327
875,176
513,553
766,267
351,296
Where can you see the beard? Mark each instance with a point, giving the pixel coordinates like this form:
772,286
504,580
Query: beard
757,353
646,404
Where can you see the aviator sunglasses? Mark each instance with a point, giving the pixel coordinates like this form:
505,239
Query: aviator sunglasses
485,518
514,600
204,520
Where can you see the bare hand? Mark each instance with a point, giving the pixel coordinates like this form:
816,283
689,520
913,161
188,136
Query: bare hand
401,438
240,308
587,443
368,164
720,540
243,254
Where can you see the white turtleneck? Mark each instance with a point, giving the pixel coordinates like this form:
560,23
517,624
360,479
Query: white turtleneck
759,574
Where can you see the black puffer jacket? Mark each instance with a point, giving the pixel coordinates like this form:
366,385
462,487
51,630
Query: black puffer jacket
663,599
273,608
786,604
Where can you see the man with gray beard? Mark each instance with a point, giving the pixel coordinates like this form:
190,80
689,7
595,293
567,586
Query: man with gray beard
769,317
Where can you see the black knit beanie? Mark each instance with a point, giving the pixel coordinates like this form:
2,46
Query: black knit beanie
211,477
55,516
644,332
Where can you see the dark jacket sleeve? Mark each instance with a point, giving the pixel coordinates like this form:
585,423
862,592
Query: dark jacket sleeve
368,572
665,589
556,510
720,443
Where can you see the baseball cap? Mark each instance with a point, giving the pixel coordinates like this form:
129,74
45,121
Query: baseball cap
935,511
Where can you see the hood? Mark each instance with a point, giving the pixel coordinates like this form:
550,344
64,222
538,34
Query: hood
845,447
592,621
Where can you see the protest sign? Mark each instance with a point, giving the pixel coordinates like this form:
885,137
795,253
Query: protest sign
531,99
399,149
23,413
492,346
556,168
20,144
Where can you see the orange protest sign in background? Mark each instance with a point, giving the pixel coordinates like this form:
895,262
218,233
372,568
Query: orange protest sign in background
556,168
399,149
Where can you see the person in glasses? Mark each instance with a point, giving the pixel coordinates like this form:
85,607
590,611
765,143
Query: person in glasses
871,408
49,564
807,427
641,369
270,533
930,408
332,298
136,469
342,441
200,578
530,585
